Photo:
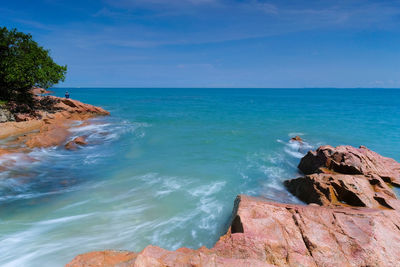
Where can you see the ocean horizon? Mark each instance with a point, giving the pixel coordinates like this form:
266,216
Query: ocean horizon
164,168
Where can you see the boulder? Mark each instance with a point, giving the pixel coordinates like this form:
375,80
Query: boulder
351,160
73,144
343,190
297,138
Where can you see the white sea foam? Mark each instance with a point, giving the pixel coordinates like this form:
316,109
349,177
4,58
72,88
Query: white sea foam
295,134
207,190
292,153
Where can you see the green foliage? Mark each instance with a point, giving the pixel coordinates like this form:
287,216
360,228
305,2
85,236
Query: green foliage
23,65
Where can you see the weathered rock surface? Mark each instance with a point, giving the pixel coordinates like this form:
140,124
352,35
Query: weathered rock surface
270,234
40,91
343,190
357,224
351,160
347,176
52,128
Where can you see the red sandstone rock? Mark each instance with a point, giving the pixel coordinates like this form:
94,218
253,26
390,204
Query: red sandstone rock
271,234
53,127
38,91
23,117
351,160
73,144
75,106
297,138
80,140
104,258
343,190
359,225
49,135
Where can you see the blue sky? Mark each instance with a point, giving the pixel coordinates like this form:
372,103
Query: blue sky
216,43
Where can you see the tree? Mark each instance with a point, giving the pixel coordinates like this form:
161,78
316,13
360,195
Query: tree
24,65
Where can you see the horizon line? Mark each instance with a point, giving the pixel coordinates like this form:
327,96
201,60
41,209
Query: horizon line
171,87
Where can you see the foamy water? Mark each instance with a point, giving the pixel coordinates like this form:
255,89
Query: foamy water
165,167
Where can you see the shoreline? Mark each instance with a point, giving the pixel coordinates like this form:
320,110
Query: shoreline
351,219
51,129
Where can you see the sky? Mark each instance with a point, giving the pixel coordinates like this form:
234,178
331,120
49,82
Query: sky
216,43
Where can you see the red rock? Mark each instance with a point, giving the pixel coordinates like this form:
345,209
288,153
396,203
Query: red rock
49,135
22,117
297,138
351,160
73,144
343,190
358,223
38,91
80,140
271,234
53,124
104,258
75,106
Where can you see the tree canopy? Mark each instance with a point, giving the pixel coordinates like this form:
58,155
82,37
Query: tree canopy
24,65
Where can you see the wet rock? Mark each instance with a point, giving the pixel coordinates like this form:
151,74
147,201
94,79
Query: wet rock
281,235
297,138
73,144
353,220
50,127
48,135
351,160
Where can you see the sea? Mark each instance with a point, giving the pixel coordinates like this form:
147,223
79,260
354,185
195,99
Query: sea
165,167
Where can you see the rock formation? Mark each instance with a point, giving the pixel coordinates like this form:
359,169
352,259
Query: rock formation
297,138
352,220
50,125
73,144
351,160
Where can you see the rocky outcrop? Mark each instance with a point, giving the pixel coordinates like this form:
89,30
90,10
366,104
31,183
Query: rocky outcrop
351,160
353,220
270,234
343,190
77,141
77,107
347,176
52,127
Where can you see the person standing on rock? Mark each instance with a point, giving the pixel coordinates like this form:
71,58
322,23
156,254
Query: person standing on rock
66,94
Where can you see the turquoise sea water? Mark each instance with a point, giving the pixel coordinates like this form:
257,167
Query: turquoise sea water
166,166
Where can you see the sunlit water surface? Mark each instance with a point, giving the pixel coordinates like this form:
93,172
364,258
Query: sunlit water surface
165,167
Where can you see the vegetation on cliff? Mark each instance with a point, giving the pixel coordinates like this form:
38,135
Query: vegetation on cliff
25,64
